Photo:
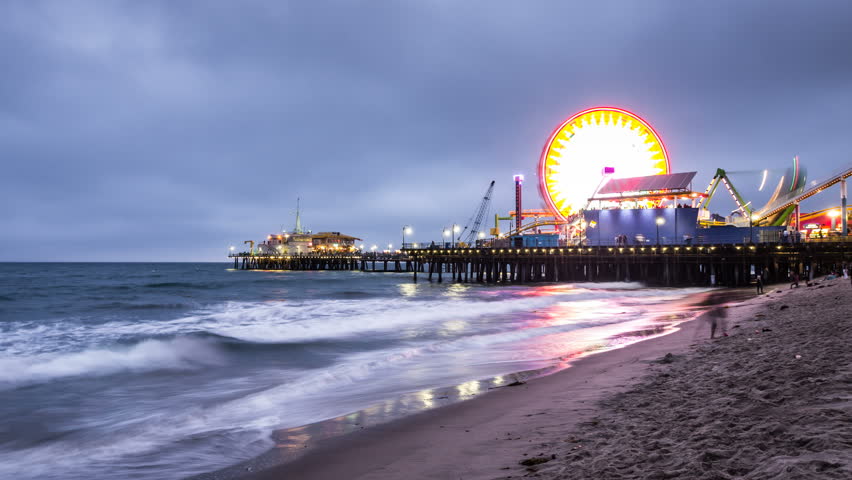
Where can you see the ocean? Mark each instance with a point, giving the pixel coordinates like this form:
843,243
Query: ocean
163,371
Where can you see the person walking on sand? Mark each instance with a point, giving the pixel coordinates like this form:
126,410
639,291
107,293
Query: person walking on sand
759,284
717,318
794,280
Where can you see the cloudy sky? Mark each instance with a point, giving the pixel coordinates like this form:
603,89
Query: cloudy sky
170,130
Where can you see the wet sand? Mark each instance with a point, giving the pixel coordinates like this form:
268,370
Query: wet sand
741,406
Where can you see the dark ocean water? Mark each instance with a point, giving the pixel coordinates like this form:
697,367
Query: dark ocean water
161,371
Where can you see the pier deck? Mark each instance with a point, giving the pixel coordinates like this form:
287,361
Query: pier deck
728,265
368,262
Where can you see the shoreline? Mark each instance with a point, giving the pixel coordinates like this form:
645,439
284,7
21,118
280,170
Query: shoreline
330,448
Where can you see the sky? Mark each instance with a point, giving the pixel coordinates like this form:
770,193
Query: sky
171,130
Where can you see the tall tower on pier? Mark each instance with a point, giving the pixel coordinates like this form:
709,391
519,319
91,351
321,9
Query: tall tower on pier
298,228
519,187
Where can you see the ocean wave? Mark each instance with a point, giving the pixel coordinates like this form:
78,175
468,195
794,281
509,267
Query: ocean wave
611,285
140,306
200,286
285,322
282,322
145,356
251,417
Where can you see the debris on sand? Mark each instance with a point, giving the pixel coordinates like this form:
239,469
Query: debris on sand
529,462
668,358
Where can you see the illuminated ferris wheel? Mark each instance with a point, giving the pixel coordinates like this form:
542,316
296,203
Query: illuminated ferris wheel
578,151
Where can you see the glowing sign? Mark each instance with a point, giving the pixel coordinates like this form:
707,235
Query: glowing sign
588,143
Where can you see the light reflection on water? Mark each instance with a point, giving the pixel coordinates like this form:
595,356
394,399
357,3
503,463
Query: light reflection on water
557,351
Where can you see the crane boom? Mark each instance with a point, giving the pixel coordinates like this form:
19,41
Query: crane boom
473,231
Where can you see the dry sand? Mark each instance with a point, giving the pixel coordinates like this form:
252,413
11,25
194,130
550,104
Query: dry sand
742,406
774,400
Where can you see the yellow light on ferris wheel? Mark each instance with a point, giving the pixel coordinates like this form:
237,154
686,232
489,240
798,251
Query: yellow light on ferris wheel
580,148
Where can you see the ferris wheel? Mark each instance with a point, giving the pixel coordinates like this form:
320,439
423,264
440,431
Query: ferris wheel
582,147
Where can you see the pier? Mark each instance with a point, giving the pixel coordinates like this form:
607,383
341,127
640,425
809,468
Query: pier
727,265
674,266
366,262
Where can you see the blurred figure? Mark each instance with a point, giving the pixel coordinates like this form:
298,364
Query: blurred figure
717,316
759,284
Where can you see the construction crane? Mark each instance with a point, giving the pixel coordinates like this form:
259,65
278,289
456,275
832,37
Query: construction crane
470,232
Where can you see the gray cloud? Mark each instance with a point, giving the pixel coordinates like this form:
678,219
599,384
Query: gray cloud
169,130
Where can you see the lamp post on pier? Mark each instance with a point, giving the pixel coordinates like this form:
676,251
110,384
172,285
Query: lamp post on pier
833,214
455,231
660,221
446,234
405,229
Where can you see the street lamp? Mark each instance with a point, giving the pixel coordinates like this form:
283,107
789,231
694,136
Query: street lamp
405,229
446,234
455,231
833,214
660,221
751,219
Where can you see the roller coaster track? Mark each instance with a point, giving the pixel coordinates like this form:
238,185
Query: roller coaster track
818,188
541,223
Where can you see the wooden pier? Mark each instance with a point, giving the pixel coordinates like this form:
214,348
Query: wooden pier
368,262
675,266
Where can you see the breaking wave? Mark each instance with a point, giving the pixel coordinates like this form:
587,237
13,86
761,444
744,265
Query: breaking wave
145,356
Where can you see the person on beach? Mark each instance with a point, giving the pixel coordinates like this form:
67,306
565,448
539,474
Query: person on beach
759,284
794,280
718,318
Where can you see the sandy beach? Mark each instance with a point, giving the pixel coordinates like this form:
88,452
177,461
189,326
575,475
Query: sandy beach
771,400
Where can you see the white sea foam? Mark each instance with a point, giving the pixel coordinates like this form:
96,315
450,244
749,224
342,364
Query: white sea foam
341,319
148,355
297,321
